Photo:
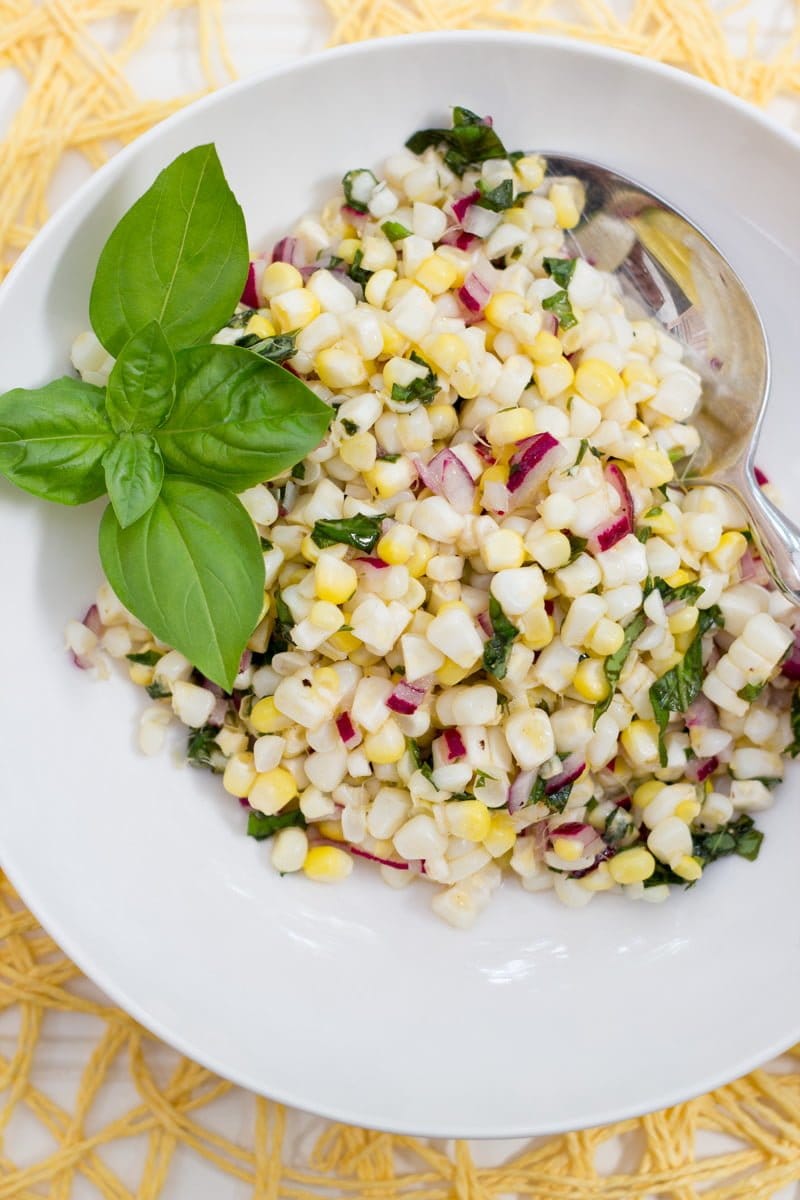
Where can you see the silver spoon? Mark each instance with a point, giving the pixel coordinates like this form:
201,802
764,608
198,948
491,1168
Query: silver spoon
670,272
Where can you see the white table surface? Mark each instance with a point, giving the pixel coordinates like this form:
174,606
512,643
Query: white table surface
261,34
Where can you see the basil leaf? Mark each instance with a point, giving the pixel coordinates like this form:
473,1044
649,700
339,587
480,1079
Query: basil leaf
275,349
134,474
260,826
190,569
53,439
361,531
676,690
203,750
179,256
751,691
141,387
686,591
358,273
559,305
497,650
616,661
469,143
148,658
238,419
359,180
644,533
496,199
560,269
423,388
794,746
737,837
394,231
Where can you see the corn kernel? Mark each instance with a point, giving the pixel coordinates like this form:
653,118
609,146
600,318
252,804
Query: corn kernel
240,775
272,790
359,451
680,577
568,848
377,287
597,382
646,792
309,549
590,680
502,834
423,553
502,307
663,523
497,473
260,326
399,288
632,866
502,550
640,742
639,372
279,277
386,478
334,579
653,467
606,637
386,745
340,367
393,341
730,548
326,616
562,198
684,620
265,717
327,864
295,309
688,867
436,274
332,830
446,351
326,679
397,546
469,819
687,810
537,628
545,348
511,425
554,378
344,641
140,674
348,248
450,673
444,421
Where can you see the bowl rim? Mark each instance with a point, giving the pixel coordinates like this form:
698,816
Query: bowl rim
95,184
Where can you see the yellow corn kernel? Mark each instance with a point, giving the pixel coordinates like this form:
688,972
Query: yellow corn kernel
140,674
509,426
327,864
377,287
240,775
326,679
359,451
469,819
597,382
279,277
396,547
568,848
446,351
729,549
653,467
647,792
497,473
340,367
639,372
640,742
386,745
537,628
545,348
332,830
518,217
598,880
530,170
295,309
606,637
590,680
423,553
684,620
632,866
334,579
272,790
663,523
398,289
502,307
501,836
348,248
562,198
553,378
680,577
326,616
393,341
345,641
309,549
444,421
503,550
450,673
436,274
260,326
386,478
551,550
688,867
687,810
266,717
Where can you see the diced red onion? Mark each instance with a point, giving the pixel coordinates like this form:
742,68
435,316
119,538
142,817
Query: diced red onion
572,768
751,567
531,463
347,730
245,803
353,214
698,769
447,476
219,712
250,292
384,862
549,322
474,294
520,791
454,744
245,660
485,453
463,203
606,853
577,829
761,476
459,238
407,697
370,560
485,622
480,221
288,250
790,667
608,533
615,476
702,712
91,620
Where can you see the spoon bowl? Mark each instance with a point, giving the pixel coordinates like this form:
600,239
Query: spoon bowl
670,272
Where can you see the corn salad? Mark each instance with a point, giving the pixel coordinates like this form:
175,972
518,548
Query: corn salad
496,639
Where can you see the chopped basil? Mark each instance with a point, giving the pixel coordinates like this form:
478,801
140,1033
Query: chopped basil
202,749
655,511
676,690
686,591
537,791
577,545
358,273
260,826
644,533
240,319
751,691
275,349
468,144
148,658
299,471
394,231
481,777
282,610
498,648
560,269
266,544
496,199
391,458
737,837
558,304
584,446
616,661
794,747
617,827
350,427
361,532
157,691
349,182
557,801
424,388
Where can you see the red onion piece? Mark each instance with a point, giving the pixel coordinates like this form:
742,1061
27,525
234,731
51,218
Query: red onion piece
608,533
347,730
454,744
218,713
531,463
751,567
761,476
250,292
458,238
353,214
407,697
615,476
480,221
370,560
572,768
384,862
485,622
475,294
461,205
790,667
447,476
576,829
485,453
698,769
91,619
520,791
288,250
606,853
702,712
549,322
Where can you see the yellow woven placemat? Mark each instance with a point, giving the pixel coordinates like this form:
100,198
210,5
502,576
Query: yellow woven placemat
76,98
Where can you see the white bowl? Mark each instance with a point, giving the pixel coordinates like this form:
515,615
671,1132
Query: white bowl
355,1001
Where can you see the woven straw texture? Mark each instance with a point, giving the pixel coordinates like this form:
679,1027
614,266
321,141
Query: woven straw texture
76,98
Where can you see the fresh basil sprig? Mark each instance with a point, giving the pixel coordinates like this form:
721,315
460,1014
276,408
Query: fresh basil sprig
180,428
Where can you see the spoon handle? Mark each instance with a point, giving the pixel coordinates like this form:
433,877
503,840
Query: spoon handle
777,538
